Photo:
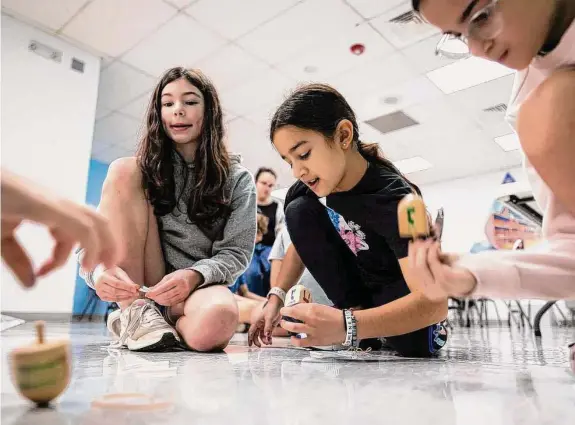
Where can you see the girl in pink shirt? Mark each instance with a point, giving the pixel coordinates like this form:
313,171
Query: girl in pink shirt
537,38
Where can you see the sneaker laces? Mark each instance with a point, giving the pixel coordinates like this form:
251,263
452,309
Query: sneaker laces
146,314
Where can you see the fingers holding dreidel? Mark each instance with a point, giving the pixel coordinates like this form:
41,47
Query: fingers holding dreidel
412,218
296,295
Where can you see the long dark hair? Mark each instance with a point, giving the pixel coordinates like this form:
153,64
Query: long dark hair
211,168
320,107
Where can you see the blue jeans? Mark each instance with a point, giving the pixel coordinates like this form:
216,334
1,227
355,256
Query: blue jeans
257,275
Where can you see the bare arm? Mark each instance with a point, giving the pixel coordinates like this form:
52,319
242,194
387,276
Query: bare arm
406,314
287,272
546,127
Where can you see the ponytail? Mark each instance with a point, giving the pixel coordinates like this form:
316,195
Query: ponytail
373,154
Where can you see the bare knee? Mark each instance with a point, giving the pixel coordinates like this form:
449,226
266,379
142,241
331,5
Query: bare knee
211,327
124,177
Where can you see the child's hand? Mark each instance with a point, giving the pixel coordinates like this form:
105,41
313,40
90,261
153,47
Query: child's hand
437,272
175,287
114,285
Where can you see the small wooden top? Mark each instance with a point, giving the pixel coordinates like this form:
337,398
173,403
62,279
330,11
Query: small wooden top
40,346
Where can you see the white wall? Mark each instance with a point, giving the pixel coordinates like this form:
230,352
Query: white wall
48,112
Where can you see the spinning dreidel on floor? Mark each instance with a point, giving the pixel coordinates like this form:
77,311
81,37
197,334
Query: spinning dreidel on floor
41,371
296,295
412,218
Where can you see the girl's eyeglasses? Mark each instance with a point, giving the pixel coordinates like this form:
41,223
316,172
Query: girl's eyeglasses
485,24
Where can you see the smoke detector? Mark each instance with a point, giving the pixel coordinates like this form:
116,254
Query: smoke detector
357,49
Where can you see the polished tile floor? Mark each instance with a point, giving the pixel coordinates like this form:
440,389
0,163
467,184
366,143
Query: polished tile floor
486,376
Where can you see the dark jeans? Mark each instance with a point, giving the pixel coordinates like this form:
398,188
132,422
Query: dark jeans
328,258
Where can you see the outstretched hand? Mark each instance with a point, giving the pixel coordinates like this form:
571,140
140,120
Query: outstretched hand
68,223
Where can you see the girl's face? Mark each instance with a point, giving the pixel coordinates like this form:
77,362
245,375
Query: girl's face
317,162
509,32
265,184
182,111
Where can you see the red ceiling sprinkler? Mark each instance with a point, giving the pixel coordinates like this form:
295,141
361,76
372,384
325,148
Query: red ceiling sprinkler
357,49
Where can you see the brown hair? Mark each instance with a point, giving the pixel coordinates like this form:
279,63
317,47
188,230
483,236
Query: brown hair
207,200
263,222
320,108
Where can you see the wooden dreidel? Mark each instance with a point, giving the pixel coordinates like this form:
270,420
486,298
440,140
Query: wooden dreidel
412,218
41,371
296,295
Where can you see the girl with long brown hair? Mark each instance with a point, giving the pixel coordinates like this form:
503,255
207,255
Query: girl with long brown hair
185,211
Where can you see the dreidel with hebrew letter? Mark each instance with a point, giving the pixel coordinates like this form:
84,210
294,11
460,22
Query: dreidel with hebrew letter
412,218
296,295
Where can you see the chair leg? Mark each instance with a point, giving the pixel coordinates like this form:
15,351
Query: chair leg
539,316
523,315
561,313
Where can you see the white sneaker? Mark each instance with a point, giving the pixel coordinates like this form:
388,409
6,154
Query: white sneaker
114,324
142,328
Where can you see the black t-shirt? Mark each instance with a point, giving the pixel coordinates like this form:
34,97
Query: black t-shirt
270,212
368,223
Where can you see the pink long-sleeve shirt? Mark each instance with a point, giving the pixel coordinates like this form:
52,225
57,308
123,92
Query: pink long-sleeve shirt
547,270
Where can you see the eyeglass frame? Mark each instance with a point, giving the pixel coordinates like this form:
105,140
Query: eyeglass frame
464,39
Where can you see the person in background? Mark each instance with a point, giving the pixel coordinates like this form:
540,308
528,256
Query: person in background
257,276
265,182
68,223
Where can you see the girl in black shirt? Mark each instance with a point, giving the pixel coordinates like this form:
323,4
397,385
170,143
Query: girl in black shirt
363,266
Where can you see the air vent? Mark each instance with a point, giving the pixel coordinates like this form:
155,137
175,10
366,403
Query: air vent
407,18
502,107
392,122
77,65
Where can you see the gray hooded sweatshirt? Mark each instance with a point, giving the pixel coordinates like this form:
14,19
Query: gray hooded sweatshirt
223,252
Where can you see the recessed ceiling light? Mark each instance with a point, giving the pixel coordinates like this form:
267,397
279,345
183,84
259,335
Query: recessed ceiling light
509,142
466,73
390,100
310,69
412,165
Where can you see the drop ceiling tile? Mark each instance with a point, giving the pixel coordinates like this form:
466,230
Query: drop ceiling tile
475,100
115,128
120,84
107,156
112,27
402,34
371,8
267,89
180,4
467,73
384,71
231,66
297,30
422,55
395,97
324,61
169,48
102,112
137,108
232,18
52,14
